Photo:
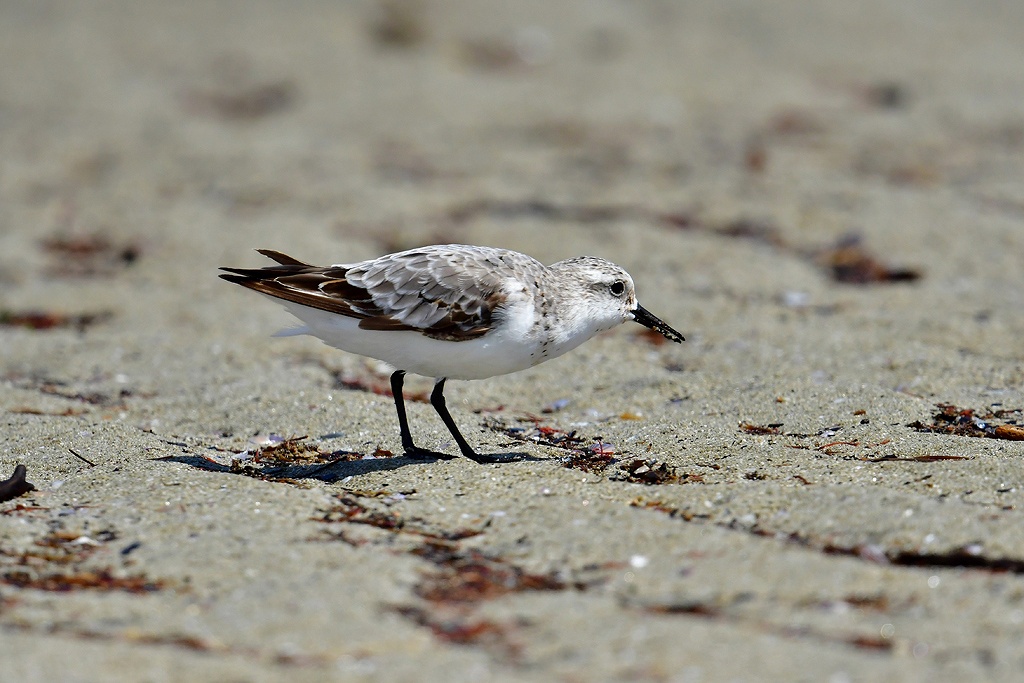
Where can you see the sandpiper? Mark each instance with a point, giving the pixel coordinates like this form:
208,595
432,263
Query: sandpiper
452,311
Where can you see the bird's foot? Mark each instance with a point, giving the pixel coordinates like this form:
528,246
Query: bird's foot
417,453
483,459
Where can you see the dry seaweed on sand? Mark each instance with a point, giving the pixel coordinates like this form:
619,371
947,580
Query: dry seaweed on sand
991,424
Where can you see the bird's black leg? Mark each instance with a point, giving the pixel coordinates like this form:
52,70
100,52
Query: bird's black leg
397,381
411,449
437,400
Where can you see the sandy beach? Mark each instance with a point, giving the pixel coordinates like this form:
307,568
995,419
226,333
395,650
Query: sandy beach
824,483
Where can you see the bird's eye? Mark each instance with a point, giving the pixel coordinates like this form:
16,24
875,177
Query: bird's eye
618,288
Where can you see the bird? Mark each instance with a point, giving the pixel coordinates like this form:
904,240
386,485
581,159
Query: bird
452,311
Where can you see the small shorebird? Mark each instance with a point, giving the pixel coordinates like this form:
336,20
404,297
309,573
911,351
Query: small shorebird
452,311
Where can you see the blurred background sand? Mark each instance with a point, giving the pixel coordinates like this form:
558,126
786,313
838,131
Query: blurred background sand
824,198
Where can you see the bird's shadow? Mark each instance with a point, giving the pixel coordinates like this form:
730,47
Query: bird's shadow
328,472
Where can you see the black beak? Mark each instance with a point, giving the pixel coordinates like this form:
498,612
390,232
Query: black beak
648,319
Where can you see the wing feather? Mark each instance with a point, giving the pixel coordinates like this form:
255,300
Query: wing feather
447,292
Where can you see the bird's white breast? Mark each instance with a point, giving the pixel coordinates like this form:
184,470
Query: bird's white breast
512,344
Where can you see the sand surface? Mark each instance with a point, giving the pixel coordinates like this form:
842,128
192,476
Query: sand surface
785,521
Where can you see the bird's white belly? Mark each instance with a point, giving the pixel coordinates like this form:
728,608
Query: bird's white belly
506,348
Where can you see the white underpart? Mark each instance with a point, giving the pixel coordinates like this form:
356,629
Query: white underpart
514,345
